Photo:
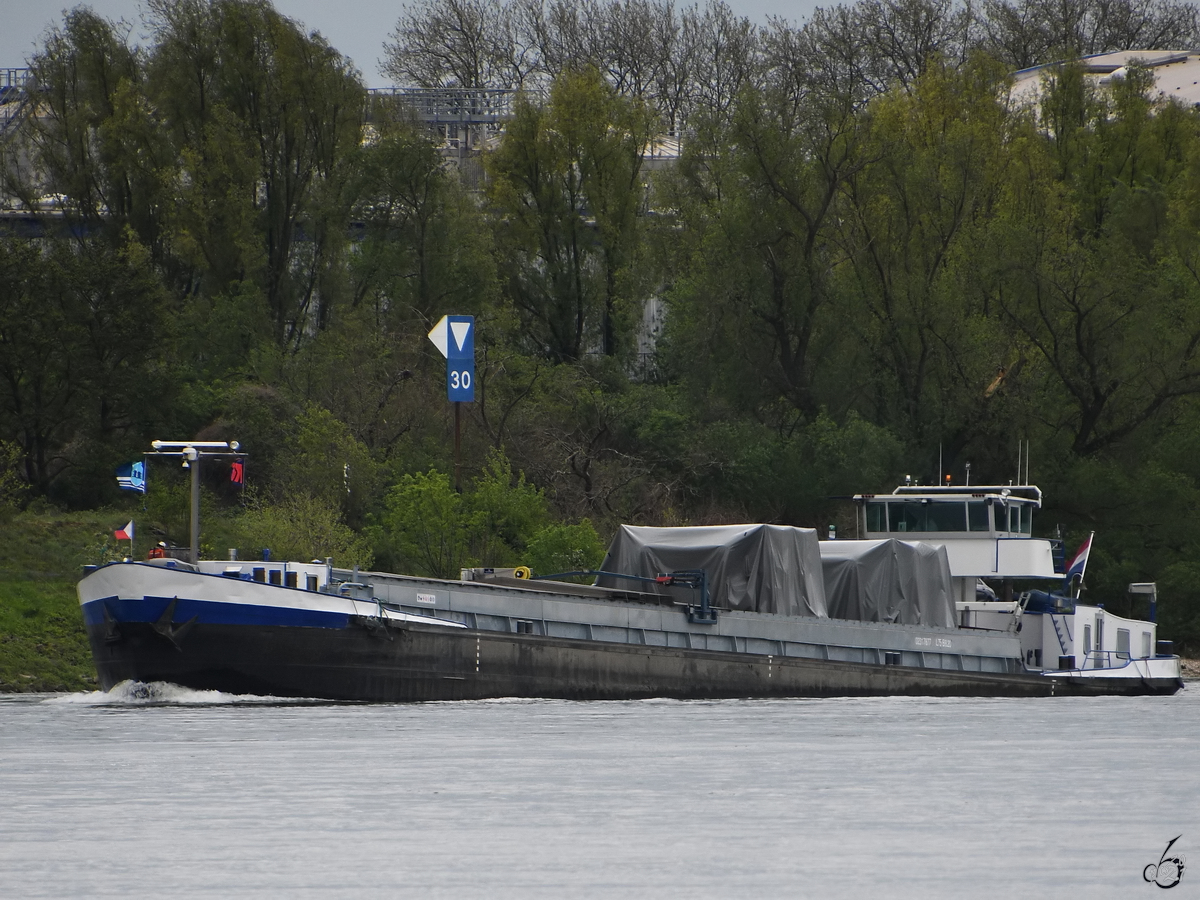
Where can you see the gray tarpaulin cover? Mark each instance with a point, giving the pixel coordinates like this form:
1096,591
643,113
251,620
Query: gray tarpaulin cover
905,582
764,568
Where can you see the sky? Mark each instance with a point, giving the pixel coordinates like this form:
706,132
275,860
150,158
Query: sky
357,28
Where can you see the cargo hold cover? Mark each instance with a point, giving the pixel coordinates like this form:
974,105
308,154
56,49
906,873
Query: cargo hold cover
903,582
762,568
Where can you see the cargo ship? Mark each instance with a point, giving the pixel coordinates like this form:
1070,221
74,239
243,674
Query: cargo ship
937,595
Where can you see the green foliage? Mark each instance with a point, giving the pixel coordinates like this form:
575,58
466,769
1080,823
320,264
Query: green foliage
300,527
13,488
505,511
434,530
424,251
325,462
565,548
426,526
567,193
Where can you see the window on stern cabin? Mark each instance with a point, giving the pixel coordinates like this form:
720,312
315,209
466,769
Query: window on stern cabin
1123,643
1087,639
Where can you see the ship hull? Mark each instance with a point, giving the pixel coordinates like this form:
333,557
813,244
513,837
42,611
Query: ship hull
208,632
389,663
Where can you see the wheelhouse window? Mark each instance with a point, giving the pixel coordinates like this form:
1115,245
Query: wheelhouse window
977,516
876,516
924,515
919,516
1020,518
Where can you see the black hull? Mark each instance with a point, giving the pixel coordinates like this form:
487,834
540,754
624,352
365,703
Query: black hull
376,663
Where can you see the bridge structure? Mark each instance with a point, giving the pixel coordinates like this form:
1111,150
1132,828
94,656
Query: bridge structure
463,117
16,87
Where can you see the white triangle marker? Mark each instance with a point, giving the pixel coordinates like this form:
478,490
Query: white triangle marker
461,330
438,334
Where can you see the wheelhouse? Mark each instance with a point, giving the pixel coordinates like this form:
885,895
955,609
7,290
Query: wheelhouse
923,512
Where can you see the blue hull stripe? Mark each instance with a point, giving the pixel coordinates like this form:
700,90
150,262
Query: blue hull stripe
150,609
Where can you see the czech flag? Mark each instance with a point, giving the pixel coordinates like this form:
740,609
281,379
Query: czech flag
126,533
1078,563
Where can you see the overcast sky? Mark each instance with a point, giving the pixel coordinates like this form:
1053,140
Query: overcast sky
357,28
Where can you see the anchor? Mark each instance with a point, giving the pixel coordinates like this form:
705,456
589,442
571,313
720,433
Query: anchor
166,625
112,628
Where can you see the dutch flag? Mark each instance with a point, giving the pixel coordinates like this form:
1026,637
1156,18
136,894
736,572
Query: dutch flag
1078,563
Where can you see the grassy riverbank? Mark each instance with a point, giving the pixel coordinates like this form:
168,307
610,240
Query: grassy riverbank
43,646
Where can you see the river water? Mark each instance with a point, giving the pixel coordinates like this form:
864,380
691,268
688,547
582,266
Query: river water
173,793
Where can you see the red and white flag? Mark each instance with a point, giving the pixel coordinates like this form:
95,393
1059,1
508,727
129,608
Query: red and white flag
126,533
1078,564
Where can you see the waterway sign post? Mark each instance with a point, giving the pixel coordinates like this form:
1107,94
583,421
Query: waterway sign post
454,336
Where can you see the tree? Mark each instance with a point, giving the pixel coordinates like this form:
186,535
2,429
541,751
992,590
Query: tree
1025,33
424,250
79,327
327,463
431,529
92,154
567,194
565,548
301,527
941,155
762,198
454,43
265,119
1088,275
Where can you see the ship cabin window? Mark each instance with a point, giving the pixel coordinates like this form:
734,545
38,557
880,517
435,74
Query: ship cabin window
927,515
1087,639
1020,518
1145,645
1123,643
876,516
920,516
977,516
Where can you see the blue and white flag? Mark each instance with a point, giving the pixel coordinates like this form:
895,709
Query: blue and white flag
132,477
1078,564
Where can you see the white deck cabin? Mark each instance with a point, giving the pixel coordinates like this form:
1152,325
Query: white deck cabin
988,534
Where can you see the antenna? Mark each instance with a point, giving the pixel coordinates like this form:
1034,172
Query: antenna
1019,461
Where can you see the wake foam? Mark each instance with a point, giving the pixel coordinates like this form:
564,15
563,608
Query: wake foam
162,693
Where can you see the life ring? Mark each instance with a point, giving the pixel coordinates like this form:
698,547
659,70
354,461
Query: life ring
522,572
